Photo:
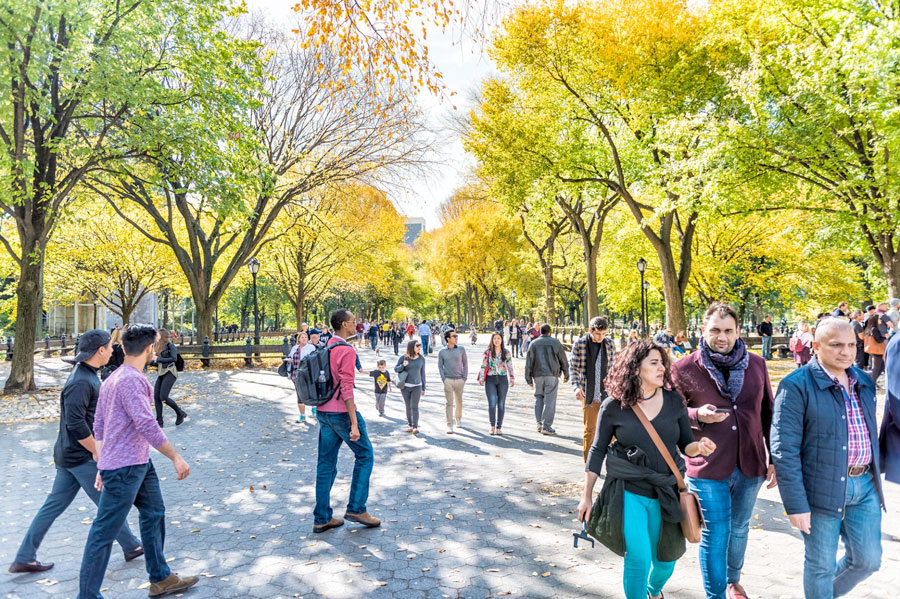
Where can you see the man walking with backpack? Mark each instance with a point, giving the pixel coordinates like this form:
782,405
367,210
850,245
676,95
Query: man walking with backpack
339,422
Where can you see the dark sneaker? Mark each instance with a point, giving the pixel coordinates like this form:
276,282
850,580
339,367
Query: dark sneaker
180,418
21,567
333,523
364,518
548,430
172,584
134,554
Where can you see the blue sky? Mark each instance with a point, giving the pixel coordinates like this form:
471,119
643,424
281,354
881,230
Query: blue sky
463,67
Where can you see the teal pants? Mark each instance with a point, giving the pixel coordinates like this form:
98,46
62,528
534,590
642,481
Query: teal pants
643,571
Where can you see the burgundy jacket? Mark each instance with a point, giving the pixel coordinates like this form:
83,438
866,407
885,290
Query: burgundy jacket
742,439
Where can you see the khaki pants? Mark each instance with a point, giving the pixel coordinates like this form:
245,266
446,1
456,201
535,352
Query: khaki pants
453,388
590,412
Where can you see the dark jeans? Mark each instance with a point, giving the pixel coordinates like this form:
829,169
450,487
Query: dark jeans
396,346
65,487
161,391
495,387
823,576
373,343
424,342
767,347
877,363
862,360
334,429
411,397
727,507
514,345
135,485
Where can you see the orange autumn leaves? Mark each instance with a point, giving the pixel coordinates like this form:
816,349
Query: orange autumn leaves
384,41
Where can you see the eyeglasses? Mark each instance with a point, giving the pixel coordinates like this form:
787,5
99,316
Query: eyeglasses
418,345
453,336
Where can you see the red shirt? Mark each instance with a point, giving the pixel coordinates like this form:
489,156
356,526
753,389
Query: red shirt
742,439
343,373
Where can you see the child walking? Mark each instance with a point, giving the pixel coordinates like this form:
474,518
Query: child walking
382,385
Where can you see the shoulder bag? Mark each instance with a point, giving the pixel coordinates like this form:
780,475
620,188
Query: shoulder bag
871,346
693,522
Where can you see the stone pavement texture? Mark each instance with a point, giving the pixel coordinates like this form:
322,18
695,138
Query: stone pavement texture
464,515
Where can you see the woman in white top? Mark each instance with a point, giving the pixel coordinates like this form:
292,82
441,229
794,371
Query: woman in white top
801,345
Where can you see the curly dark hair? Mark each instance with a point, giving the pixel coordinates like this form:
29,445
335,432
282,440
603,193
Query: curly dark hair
624,379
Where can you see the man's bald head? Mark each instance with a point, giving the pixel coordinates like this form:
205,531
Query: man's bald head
829,328
835,344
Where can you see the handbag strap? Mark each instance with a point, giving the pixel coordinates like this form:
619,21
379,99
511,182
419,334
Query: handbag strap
660,446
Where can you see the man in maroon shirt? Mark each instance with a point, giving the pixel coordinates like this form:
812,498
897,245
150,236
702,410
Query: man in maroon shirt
729,399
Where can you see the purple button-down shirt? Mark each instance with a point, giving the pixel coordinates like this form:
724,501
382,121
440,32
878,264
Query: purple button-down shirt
859,446
124,421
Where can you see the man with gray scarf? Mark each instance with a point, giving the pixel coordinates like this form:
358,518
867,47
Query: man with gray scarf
729,400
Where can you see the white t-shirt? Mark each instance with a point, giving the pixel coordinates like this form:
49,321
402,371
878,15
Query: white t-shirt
306,350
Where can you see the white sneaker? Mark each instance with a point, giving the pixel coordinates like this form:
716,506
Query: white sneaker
459,422
449,430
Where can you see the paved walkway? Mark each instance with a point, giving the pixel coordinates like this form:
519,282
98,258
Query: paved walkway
465,515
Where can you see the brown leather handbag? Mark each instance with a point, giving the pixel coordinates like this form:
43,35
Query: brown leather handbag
693,522
872,347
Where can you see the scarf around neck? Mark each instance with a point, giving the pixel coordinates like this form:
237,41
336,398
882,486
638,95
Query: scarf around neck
736,363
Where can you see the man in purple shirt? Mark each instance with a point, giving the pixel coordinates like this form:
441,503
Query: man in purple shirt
74,454
124,429
729,400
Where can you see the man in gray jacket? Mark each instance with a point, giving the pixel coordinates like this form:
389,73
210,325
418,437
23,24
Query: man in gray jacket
545,361
453,366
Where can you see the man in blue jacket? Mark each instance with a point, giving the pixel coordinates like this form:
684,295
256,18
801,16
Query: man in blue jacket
824,439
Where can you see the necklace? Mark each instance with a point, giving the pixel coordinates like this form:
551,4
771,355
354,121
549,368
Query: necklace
651,397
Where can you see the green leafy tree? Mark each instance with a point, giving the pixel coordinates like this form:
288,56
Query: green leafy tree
76,74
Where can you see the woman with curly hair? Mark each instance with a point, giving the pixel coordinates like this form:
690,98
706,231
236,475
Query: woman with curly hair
637,513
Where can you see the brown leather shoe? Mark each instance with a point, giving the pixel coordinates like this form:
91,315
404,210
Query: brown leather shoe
333,523
20,567
134,554
172,584
365,518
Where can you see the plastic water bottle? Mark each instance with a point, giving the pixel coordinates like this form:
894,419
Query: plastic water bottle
320,384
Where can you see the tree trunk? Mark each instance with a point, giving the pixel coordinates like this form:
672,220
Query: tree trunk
204,313
165,322
673,293
28,296
458,311
549,297
592,306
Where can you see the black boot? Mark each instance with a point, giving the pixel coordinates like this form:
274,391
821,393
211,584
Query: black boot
180,417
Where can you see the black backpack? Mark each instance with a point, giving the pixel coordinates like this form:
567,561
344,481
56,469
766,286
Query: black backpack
314,383
179,363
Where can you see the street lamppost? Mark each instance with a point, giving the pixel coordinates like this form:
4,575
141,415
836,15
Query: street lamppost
642,266
514,303
253,264
646,294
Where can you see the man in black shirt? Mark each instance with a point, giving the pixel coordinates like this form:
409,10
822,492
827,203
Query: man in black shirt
75,453
856,321
765,332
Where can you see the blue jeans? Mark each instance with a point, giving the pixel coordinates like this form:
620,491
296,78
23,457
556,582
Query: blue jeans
425,339
823,576
644,573
373,342
495,387
135,485
727,507
65,487
767,347
334,429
